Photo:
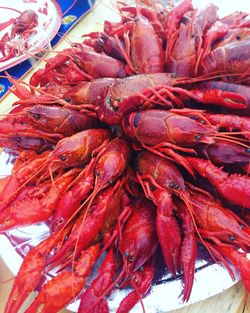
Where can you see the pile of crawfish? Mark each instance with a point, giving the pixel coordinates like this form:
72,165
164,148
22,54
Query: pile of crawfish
132,145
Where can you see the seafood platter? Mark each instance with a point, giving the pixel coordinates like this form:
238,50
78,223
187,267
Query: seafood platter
125,163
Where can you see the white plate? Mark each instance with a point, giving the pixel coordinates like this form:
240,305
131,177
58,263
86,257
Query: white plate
49,21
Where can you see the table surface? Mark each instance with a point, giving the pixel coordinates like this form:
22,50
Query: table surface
232,300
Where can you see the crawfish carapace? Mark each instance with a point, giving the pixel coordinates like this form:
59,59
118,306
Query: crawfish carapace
78,149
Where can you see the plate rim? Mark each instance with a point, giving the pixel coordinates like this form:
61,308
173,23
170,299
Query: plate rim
44,42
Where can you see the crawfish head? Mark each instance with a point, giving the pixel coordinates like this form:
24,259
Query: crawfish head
46,116
78,149
27,20
139,240
164,172
112,162
152,127
88,92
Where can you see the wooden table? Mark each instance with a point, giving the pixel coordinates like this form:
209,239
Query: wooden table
231,301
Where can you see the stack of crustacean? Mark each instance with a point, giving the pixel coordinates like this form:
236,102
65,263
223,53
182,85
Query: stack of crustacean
132,145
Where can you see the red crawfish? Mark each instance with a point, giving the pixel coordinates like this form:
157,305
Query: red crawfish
26,143
89,224
98,64
47,122
224,94
182,55
203,20
217,223
111,164
138,241
235,188
19,178
223,59
34,204
160,179
224,153
230,123
82,63
138,35
25,24
153,12
165,132
78,149
59,120
101,42
104,279
72,198
240,260
140,281
52,72
31,271
112,98
66,285
174,18
143,91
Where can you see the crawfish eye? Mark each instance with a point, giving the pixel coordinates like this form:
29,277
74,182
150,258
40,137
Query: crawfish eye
131,258
67,99
37,116
136,119
152,188
63,158
247,150
197,137
101,41
173,185
231,237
